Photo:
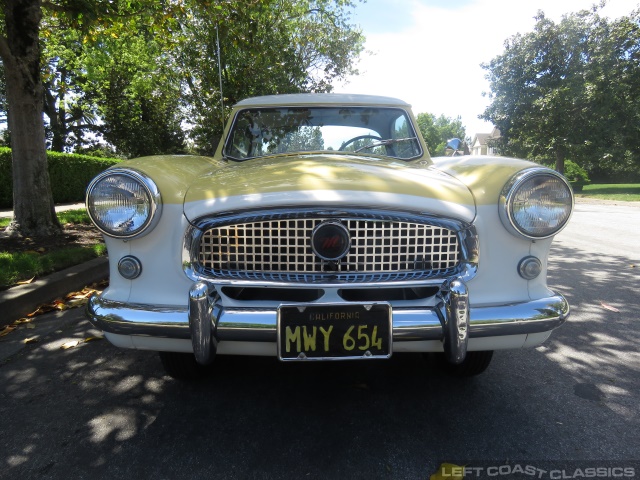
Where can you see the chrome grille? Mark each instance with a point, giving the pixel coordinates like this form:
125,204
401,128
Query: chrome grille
280,249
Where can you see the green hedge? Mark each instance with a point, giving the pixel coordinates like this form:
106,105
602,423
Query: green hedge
70,175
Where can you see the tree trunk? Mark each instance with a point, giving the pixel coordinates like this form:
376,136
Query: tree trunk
34,212
560,160
50,110
54,109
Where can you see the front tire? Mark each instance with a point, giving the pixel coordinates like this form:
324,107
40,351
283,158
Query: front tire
182,366
474,364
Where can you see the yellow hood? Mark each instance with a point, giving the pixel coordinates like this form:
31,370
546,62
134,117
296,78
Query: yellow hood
328,181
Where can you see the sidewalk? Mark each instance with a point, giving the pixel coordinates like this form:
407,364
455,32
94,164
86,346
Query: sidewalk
59,208
18,301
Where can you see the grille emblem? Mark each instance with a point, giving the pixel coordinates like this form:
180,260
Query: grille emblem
330,241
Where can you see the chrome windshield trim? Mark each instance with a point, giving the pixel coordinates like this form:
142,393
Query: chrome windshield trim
239,112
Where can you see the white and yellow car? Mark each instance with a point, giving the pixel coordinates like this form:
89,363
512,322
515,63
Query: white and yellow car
322,230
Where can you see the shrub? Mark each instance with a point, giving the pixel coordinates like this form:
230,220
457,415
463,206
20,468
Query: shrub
70,175
576,175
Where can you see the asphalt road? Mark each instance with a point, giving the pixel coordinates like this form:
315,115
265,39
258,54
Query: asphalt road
94,411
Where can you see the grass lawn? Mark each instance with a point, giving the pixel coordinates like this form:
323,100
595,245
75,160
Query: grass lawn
21,266
31,258
629,192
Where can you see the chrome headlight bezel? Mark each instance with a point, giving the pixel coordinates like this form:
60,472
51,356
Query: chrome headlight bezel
151,194
564,200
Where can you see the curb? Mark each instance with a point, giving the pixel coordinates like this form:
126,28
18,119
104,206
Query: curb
17,302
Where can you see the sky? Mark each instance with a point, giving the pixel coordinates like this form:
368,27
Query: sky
428,52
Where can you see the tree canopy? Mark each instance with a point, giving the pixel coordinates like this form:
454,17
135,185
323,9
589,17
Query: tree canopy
143,75
273,47
566,90
438,130
122,71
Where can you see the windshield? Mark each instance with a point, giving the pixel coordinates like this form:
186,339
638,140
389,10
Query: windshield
363,130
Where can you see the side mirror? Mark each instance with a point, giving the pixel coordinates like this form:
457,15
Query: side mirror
454,144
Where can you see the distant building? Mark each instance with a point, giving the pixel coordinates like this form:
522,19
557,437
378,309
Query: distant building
483,143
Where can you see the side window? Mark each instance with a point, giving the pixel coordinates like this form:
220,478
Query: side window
250,137
240,144
400,128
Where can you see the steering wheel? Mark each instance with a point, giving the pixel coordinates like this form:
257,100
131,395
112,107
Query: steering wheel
359,137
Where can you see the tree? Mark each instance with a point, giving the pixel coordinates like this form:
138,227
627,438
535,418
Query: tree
112,79
438,130
142,83
304,138
270,48
564,89
613,151
141,65
3,96
70,113
136,89
34,212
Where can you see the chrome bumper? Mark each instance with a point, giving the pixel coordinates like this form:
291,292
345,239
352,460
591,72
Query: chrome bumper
206,322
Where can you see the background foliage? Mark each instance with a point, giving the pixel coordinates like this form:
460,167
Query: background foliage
70,175
139,77
143,75
569,90
438,130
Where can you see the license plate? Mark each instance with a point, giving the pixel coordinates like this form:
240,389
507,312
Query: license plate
334,331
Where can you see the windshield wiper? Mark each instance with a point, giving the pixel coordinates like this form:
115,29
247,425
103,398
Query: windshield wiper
384,143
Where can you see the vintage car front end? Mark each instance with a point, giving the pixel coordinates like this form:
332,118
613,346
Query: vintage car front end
322,230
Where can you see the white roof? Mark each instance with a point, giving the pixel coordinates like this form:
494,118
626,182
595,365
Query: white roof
321,99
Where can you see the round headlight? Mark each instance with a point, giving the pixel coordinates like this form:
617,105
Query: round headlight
123,203
536,203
